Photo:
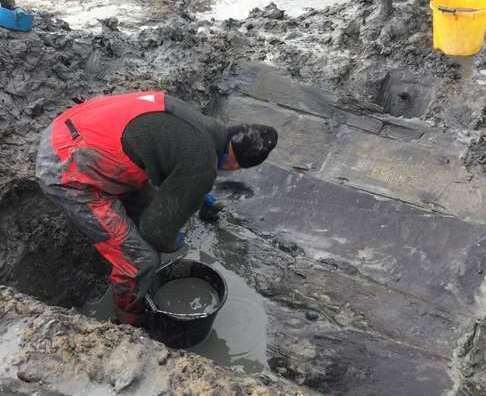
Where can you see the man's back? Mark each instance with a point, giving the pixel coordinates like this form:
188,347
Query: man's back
180,161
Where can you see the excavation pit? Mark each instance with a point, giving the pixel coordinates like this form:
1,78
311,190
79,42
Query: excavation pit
42,254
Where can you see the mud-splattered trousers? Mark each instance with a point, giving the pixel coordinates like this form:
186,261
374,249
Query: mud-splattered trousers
81,166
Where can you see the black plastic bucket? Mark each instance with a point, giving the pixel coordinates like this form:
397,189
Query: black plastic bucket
183,330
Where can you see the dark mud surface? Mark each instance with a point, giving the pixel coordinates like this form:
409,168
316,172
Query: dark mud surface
368,276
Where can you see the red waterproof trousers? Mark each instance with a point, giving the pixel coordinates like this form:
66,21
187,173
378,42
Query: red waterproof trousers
82,167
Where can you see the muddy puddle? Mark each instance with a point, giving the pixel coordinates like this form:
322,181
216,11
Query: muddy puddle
225,9
238,337
86,14
133,15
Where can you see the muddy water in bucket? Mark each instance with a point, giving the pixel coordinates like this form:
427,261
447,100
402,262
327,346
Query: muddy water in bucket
187,295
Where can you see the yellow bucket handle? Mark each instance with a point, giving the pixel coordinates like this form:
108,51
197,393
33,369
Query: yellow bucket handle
455,10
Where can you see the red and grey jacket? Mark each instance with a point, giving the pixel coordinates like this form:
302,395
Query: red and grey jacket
149,136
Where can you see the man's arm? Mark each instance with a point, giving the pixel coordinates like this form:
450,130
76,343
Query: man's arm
177,199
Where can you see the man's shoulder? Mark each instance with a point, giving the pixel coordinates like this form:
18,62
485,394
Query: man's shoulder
190,114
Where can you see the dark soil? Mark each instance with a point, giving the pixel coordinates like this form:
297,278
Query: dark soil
43,255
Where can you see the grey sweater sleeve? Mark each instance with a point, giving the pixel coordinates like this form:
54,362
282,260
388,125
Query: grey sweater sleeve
176,200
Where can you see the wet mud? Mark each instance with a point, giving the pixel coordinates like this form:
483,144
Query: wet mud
314,298
62,353
100,307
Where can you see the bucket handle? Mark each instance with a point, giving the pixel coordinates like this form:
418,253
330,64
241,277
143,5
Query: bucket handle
455,10
171,258
154,308
446,9
181,254
151,303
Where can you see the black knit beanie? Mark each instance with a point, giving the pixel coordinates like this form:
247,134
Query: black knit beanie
252,143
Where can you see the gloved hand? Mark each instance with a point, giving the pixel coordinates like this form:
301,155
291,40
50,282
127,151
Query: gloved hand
143,281
210,209
146,273
145,276
180,240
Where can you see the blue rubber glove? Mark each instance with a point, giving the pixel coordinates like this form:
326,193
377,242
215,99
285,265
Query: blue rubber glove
180,238
209,200
210,209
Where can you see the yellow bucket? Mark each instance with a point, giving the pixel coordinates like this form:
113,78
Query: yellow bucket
459,26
